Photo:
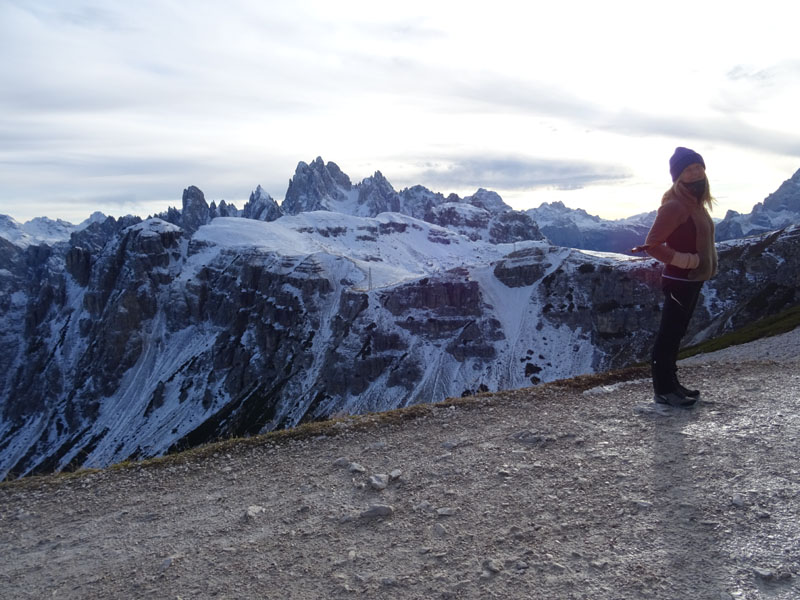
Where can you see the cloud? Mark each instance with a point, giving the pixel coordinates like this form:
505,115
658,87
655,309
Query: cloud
493,93
513,173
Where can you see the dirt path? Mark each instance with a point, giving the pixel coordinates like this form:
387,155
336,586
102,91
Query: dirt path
551,492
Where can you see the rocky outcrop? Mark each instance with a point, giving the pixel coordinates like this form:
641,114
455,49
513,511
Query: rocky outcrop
779,209
195,211
482,216
418,201
224,209
376,195
315,186
261,207
488,201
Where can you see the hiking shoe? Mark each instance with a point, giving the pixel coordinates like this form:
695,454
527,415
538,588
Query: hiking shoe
674,399
688,393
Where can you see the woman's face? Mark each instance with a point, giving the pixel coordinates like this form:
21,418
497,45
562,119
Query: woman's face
693,172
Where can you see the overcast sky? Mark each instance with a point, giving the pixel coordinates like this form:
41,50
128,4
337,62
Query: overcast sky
118,106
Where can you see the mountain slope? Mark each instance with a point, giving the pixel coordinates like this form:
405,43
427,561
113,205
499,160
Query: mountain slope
159,340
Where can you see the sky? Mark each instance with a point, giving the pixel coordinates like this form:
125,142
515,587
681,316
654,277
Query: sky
118,106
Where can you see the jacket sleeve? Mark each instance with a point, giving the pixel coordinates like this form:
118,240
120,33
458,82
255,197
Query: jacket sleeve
669,218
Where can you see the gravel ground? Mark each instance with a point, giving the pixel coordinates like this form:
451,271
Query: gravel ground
782,348
582,489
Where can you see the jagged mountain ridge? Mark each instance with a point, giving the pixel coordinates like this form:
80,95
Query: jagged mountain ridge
575,228
780,209
42,230
321,186
136,337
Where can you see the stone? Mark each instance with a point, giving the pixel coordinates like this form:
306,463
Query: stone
253,511
377,511
379,482
491,567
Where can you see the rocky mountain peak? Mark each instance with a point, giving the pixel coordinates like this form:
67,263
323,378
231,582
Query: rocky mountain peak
195,211
376,195
487,200
261,206
780,209
315,187
786,197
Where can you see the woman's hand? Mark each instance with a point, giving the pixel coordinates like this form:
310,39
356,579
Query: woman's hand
685,260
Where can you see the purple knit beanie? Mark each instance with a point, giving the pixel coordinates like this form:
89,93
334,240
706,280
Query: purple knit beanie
682,158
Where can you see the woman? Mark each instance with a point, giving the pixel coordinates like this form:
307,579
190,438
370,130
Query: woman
682,237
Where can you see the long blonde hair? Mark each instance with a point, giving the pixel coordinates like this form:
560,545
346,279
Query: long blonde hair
679,191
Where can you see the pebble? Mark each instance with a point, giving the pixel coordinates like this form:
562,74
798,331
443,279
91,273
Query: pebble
446,511
379,482
356,468
491,568
558,567
453,444
253,511
377,511
492,565
165,564
772,575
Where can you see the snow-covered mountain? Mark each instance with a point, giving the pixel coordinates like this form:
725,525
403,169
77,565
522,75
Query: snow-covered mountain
131,338
575,228
779,209
321,186
41,230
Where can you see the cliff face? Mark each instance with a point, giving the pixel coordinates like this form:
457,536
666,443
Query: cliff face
780,209
138,337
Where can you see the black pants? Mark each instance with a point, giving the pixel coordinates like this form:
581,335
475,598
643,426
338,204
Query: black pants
680,299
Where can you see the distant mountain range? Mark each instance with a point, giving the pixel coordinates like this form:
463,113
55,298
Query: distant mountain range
127,338
484,215
779,209
575,228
